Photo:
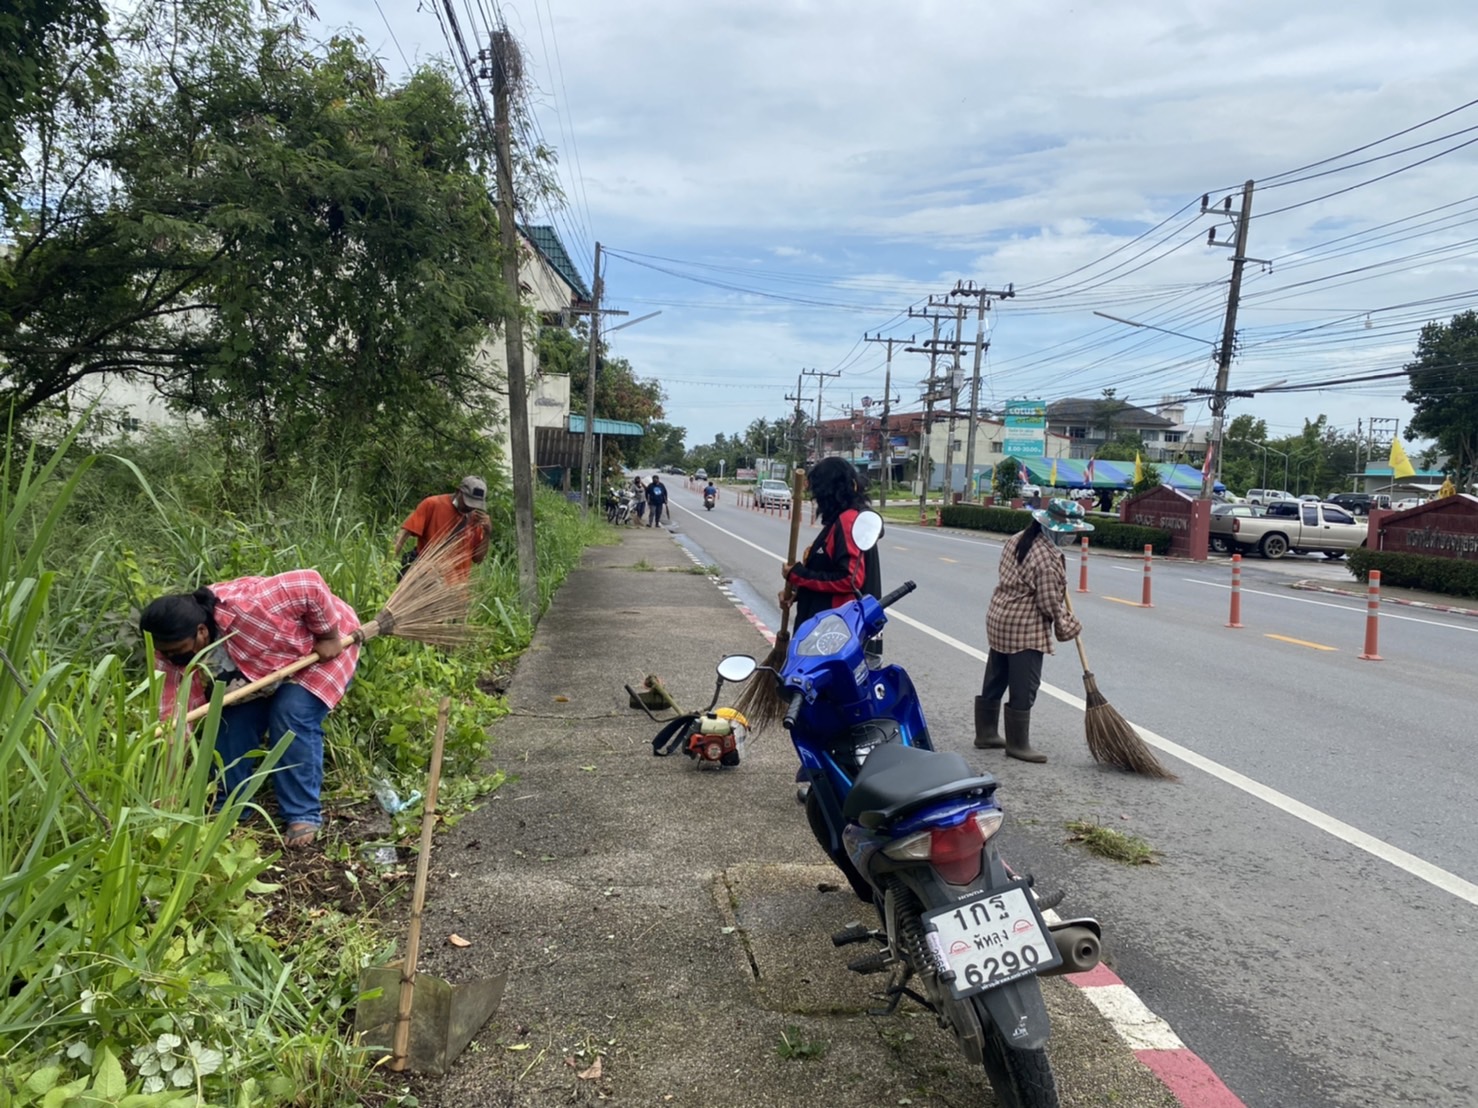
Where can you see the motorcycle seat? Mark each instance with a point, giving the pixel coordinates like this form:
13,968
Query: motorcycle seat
897,778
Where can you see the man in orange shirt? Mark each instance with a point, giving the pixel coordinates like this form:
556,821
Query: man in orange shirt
462,513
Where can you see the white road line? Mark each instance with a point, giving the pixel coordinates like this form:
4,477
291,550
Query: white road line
1361,840
1347,833
1357,607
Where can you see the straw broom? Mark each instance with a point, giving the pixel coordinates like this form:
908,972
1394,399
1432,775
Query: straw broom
1111,738
761,703
429,605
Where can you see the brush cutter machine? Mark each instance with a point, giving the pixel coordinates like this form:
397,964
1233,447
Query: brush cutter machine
712,737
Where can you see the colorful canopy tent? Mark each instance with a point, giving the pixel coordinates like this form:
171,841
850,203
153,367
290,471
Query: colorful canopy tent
1106,474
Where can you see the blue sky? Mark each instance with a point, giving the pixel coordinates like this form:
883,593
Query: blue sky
779,178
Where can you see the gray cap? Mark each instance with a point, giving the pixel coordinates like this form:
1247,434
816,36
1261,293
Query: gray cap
474,492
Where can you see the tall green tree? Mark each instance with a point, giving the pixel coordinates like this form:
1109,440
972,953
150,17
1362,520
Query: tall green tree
54,50
265,231
1444,391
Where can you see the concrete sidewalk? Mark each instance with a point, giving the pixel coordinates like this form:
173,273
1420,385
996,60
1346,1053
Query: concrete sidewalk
666,928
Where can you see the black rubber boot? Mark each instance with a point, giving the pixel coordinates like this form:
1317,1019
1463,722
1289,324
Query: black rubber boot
987,724
1018,737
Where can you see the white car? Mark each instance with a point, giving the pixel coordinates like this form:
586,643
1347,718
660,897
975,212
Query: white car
1268,496
772,493
1409,502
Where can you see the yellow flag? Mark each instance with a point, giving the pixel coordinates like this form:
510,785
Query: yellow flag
1400,466
1138,468
1053,482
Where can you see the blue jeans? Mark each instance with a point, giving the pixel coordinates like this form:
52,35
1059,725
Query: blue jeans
298,777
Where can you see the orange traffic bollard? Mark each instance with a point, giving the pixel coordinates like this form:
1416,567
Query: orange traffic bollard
1083,567
1235,620
1372,619
1144,600
938,517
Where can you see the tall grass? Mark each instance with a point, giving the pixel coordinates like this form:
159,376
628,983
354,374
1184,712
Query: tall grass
135,953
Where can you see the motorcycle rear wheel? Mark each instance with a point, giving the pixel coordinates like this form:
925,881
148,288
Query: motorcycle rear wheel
1019,1078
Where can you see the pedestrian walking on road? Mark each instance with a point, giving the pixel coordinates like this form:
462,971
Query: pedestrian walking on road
656,500
1027,609
260,624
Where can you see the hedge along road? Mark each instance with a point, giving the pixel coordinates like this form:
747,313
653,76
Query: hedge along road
1305,930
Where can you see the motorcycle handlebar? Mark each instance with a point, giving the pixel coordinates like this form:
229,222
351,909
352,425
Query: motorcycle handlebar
898,594
797,698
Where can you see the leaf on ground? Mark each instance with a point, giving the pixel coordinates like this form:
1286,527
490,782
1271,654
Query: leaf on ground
588,769
593,1073
457,940
561,700
518,1046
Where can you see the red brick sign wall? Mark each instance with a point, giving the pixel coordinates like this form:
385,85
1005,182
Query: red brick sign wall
1446,528
1187,520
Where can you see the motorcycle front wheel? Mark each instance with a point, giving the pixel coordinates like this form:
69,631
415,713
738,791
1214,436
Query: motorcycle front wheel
1019,1078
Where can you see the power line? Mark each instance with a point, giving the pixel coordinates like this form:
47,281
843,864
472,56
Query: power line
1268,181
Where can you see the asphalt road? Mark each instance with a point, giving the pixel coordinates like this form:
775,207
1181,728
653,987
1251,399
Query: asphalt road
1308,929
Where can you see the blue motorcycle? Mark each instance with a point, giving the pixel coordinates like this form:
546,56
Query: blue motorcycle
913,830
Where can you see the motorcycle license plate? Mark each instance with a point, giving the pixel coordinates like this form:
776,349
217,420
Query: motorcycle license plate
991,938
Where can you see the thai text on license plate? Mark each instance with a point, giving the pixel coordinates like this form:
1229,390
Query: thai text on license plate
994,937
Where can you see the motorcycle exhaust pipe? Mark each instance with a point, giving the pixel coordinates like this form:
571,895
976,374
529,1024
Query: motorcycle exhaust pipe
1080,949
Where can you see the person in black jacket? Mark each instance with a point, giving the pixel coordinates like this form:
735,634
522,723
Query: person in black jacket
833,569
656,500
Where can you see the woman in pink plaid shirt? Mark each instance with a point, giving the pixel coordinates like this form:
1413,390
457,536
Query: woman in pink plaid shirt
241,631
1027,609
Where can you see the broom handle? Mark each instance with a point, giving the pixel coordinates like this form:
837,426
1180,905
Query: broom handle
798,486
400,1054
1078,641
235,696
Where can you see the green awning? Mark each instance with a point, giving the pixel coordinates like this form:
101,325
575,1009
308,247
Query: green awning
606,426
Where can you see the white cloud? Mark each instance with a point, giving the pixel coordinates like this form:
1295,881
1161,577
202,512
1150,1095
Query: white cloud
867,153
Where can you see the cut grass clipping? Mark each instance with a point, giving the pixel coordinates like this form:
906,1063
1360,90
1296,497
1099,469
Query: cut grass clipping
1108,843
794,1046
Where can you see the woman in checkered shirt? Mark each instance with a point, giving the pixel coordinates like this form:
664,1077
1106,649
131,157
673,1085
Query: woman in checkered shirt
1027,609
241,631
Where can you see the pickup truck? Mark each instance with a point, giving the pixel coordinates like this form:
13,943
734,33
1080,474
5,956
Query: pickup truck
1300,526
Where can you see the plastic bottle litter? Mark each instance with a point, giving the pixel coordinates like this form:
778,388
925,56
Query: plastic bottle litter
390,800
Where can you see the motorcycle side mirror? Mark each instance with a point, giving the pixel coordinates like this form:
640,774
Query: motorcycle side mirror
737,667
867,528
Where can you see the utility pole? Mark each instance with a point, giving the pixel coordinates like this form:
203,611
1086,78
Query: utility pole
885,452
954,404
589,481
983,298
1219,397
820,384
931,394
795,421
507,75
587,446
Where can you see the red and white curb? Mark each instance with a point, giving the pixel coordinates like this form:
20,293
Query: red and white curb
744,608
1450,609
1153,1041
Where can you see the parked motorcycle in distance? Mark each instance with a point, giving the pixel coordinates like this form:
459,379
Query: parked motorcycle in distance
913,830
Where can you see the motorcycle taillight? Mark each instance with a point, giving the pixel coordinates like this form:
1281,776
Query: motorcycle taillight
955,851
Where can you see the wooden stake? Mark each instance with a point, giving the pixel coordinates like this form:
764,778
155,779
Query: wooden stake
400,1053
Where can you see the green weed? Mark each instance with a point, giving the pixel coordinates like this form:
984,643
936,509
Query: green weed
141,947
794,1046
